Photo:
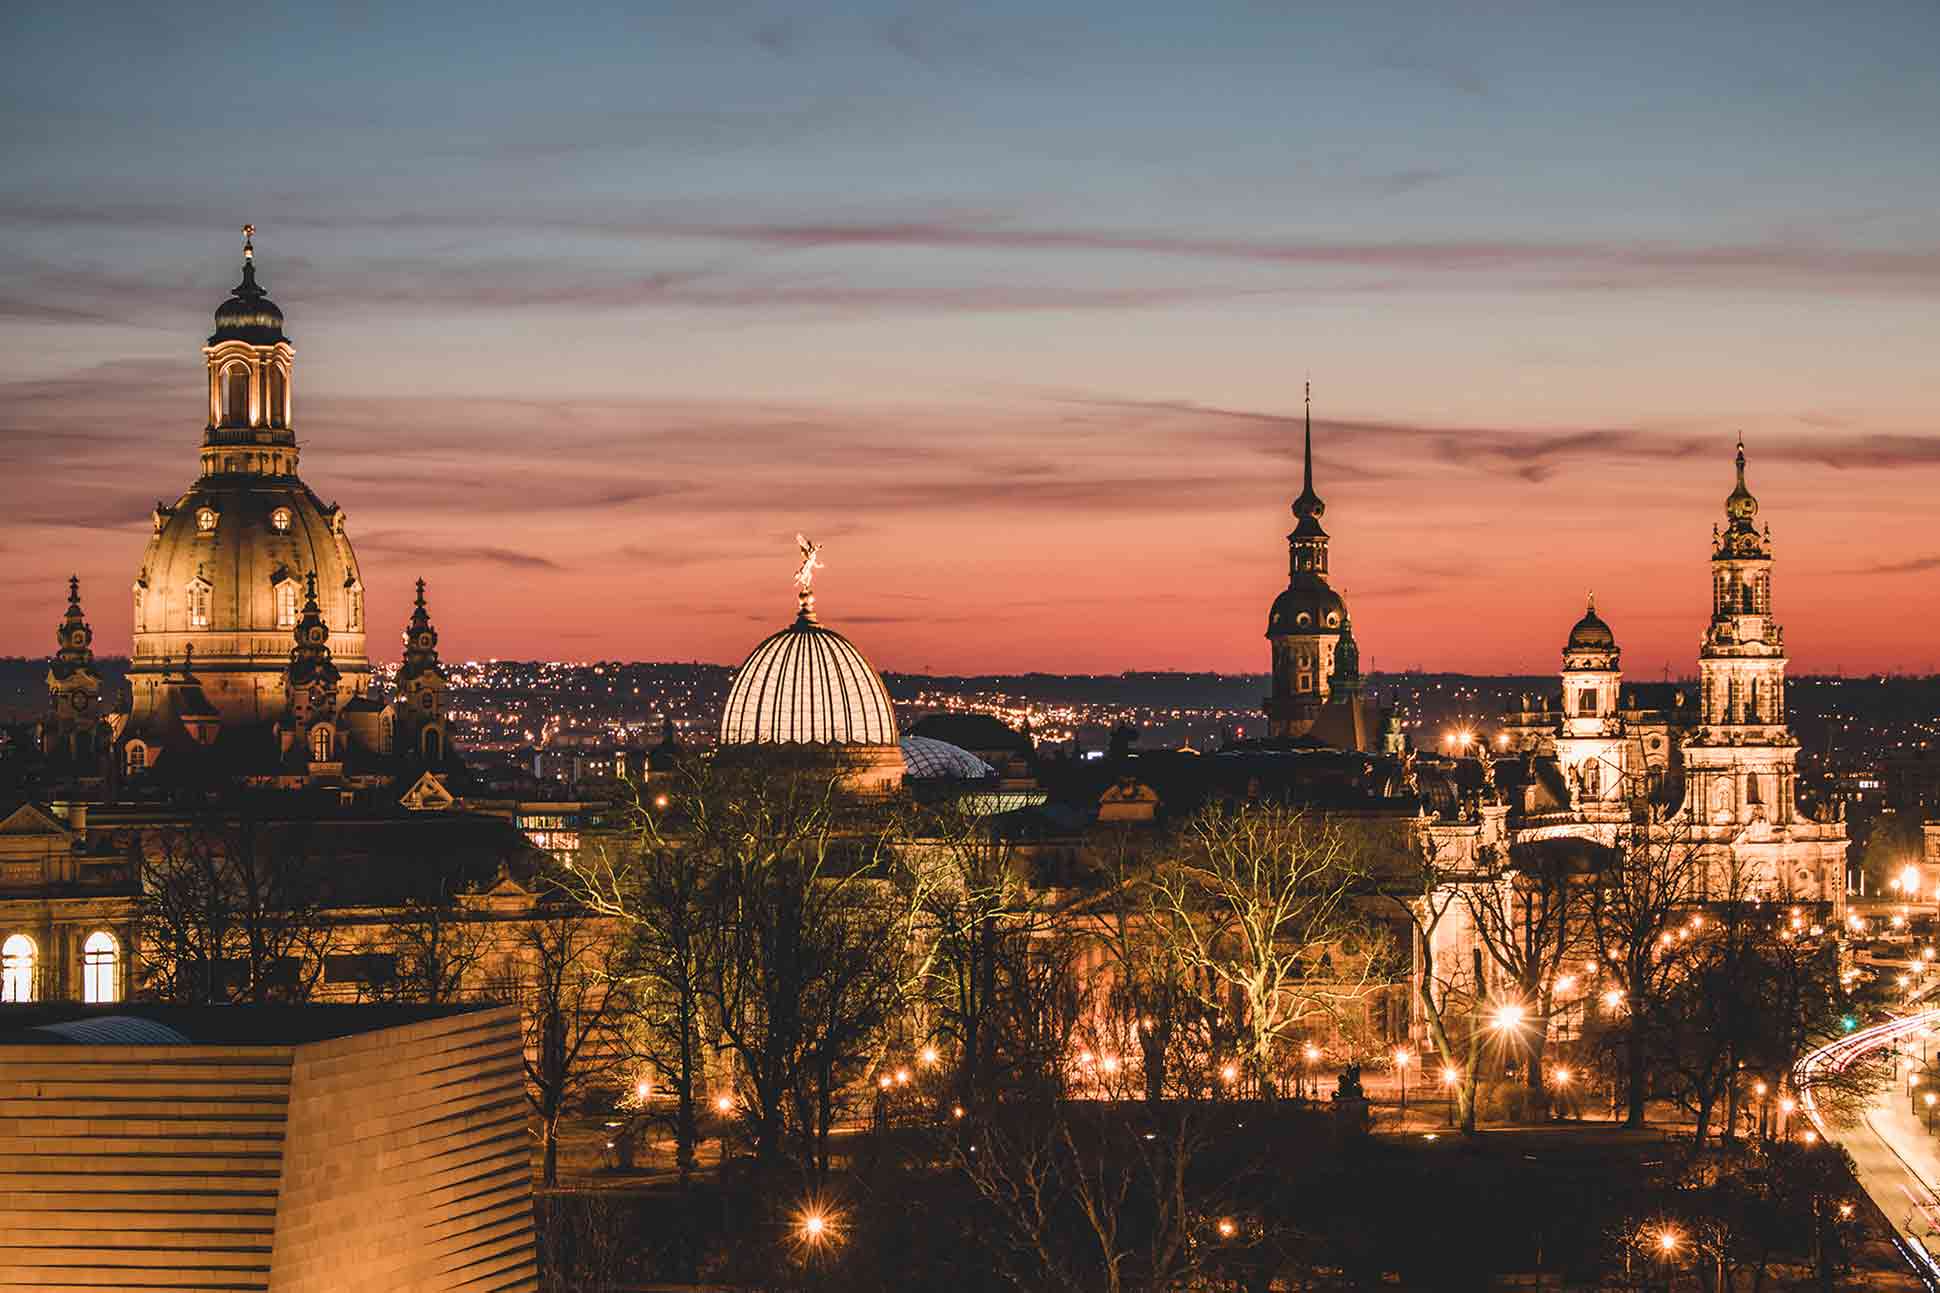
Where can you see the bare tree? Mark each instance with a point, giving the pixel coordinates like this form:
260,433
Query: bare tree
657,897
574,997
230,911
1445,993
797,865
1636,905
437,949
1529,923
1261,901
973,905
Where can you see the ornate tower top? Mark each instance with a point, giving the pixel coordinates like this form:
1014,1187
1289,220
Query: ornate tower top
74,637
248,315
310,660
420,644
1741,537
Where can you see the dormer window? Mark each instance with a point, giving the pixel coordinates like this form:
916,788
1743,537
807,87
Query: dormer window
1333,619
205,520
137,758
279,520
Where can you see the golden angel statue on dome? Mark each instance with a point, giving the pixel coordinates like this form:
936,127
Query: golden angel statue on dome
811,562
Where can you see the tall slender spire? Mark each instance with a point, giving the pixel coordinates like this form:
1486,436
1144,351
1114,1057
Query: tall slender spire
1309,507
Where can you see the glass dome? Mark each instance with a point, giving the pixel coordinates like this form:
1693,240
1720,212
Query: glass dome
808,685
927,759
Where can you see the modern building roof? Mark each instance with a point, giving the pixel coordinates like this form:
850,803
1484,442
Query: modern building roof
137,1024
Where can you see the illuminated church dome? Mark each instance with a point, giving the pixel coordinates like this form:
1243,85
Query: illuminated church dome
227,565
809,686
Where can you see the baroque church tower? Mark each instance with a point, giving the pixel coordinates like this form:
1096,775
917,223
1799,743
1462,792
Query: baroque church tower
1307,620
421,687
1741,764
73,687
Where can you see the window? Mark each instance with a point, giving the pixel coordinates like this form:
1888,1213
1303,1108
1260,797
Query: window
19,959
100,968
360,967
1586,702
235,396
199,605
137,758
275,401
285,603
354,614
279,520
320,744
205,520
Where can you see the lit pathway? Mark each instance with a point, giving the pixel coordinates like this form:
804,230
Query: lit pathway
1896,1159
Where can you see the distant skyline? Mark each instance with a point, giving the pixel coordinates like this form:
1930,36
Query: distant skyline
1010,306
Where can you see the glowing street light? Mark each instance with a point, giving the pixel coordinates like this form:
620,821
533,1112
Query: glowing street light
1401,1061
1226,1228
1229,1074
1508,1017
1667,1241
1450,1079
929,1055
724,1103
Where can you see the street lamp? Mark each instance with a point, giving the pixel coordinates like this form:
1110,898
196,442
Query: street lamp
1312,1056
1401,1061
1450,1079
1930,1098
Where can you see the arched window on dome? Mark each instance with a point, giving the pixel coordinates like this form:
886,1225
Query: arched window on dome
320,743
100,968
199,591
274,395
19,968
286,602
354,608
279,520
137,758
235,395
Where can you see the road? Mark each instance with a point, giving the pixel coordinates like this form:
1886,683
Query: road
1897,1161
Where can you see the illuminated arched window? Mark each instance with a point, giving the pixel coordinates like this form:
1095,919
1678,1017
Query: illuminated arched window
100,968
354,613
235,395
274,400
19,959
137,758
320,744
279,520
285,603
199,604
205,520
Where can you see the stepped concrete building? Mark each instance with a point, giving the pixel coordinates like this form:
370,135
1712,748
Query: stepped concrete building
302,1149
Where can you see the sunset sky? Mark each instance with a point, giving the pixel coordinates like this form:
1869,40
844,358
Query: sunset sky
1009,304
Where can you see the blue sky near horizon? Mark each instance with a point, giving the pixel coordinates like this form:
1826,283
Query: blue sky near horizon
1010,303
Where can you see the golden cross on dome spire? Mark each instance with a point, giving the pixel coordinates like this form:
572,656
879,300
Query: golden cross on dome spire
249,241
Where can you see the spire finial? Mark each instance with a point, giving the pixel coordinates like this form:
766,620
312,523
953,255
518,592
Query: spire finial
420,594
1592,601
1310,436
73,590
1741,459
249,242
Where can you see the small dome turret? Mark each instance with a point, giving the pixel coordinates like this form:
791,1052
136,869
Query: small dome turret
248,315
1590,633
